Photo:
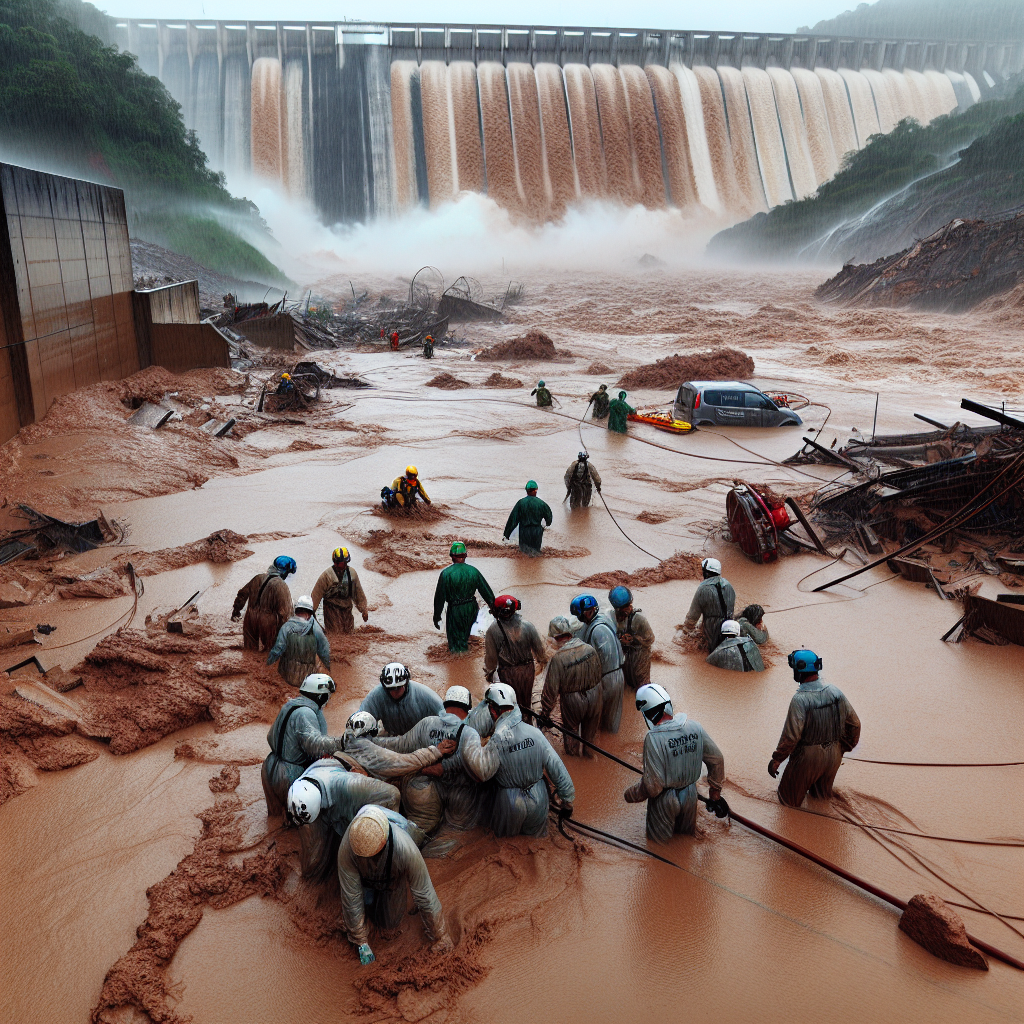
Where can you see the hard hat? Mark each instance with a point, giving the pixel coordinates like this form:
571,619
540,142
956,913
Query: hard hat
500,695
304,604
411,471
458,695
531,485
369,831
730,628
506,605
603,387
712,565
362,723
583,456
429,337
653,701
317,683
285,565
559,626
804,661
540,384
286,376
304,801
620,596
622,394
581,603
393,675
341,555
457,548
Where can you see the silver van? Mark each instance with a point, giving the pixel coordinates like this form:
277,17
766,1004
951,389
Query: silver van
723,403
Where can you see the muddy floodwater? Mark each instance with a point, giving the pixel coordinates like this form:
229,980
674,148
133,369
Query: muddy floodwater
548,929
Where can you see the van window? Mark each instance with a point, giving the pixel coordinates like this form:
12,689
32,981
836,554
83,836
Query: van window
753,400
684,396
728,399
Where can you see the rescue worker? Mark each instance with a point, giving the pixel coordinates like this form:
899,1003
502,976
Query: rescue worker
599,399
618,410
406,489
636,638
528,513
268,605
714,599
599,631
300,641
285,385
752,624
543,395
513,647
573,679
399,703
524,754
378,864
379,761
735,652
578,480
458,782
297,738
674,749
821,726
339,589
457,587
428,347
394,341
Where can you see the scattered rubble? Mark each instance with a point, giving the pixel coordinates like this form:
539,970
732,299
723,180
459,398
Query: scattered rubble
934,924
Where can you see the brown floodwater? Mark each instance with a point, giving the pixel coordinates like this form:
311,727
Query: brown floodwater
548,930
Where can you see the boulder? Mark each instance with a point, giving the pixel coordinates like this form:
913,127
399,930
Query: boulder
934,924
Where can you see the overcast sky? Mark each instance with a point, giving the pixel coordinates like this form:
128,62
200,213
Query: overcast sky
725,15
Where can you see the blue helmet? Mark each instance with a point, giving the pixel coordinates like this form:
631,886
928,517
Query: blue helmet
581,603
804,662
285,565
620,596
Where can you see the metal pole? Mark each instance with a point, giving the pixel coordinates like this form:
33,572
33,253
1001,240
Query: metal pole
874,422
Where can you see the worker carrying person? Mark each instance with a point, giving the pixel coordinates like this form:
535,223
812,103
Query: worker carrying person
636,638
735,652
268,605
751,622
456,784
297,738
599,631
378,864
513,648
618,410
528,514
573,679
821,726
457,587
398,702
428,347
524,755
405,491
580,479
714,600
300,641
361,731
543,395
674,749
339,589
599,399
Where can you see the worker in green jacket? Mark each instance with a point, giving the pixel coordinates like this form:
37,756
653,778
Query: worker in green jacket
543,395
457,586
528,514
618,410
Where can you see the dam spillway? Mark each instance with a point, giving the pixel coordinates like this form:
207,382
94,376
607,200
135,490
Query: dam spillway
365,120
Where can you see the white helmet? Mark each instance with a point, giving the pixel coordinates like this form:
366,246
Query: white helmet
501,696
458,695
317,683
304,604
369,831
362,723
730,628
303,802
653,700
393,675
559,626
712,565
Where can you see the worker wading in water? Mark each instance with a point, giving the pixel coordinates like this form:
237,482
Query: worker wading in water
599,631
580,479
457,587
714,600
299,643
821,726
407,489
528,513
428,347
635,637
543,395
751,623
399,703
513,647
599,399
394,341
674,749
573,679
268,605
618,410
735,652
339,589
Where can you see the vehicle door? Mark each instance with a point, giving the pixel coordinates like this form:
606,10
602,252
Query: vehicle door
729,407
683,408
760,410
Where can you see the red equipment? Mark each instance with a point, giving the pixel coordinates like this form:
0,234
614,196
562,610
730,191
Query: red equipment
753,524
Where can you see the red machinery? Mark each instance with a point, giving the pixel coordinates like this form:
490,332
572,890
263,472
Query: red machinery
757,520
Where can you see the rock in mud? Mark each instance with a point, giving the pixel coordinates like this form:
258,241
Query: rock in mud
932,923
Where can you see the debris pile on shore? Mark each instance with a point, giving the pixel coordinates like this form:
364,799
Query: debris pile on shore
670,372
534,345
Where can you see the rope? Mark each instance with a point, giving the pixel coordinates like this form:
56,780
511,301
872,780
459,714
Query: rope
938,764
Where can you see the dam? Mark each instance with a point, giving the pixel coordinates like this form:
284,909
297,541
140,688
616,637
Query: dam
364,120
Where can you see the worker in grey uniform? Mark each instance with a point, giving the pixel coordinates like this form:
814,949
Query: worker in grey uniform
297,738
513,648
300,641
322,802
674,749
821,726
398,703
573,679
457,782
735,652
388,764
599,631
580,479
714,599
378,864
524,754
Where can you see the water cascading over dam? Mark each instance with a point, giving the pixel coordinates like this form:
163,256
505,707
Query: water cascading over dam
364,121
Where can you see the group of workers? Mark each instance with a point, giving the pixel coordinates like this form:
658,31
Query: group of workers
615,410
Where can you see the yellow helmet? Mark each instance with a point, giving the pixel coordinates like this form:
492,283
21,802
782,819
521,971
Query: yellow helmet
411,471
286,376
341,555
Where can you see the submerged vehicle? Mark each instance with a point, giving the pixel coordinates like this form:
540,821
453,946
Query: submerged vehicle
723,403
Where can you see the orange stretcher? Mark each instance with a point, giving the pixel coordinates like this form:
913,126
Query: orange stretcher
660,420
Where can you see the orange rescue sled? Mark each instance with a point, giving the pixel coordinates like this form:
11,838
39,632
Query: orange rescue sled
660,420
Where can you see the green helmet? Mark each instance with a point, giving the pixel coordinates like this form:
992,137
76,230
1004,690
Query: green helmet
622,394
531,485
540,384
458,548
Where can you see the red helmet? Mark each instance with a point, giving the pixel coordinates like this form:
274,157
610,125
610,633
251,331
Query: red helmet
506,606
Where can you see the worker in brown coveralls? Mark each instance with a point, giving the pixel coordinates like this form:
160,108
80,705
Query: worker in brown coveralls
821,726
635,637
339,588
573,679
513,647
268,605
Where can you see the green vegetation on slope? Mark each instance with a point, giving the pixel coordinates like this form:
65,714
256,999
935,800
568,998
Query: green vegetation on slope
929,19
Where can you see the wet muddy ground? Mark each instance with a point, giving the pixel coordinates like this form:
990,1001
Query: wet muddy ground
547,929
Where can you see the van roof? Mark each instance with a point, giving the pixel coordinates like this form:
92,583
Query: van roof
700,385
